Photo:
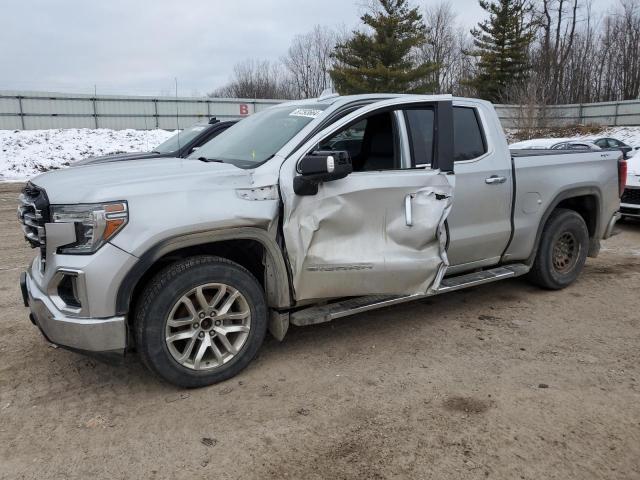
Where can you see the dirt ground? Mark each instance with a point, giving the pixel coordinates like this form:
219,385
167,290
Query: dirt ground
503,381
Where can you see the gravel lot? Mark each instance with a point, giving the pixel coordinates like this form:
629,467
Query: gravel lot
502,381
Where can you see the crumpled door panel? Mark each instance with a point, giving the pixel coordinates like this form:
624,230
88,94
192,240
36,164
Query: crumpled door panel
423,244
352,238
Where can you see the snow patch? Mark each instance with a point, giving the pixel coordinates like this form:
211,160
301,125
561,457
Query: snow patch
27,153
628,135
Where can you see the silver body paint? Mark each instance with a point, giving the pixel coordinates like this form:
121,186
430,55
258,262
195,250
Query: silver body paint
353,238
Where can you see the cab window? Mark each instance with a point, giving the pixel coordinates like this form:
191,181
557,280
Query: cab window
420,123
371,143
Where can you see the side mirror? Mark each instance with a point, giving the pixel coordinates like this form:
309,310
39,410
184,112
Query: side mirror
319,167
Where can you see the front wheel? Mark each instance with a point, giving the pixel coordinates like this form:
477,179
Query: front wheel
562,252
200,321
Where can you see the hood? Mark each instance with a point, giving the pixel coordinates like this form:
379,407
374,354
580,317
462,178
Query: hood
117,181
116,157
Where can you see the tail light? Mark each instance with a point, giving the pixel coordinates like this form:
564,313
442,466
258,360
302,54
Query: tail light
622,176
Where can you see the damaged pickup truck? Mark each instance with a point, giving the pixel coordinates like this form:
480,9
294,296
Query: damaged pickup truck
303,213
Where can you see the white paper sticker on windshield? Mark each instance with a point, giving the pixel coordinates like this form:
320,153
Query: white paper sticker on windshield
305,112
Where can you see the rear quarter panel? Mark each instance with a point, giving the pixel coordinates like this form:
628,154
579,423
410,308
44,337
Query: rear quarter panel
543,181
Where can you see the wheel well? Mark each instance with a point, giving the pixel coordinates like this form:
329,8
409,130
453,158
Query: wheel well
587,207
245,252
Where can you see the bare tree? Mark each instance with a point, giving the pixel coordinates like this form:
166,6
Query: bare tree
308,61
441,47
257,79
558,20
621,42
465,66
579,59
447,45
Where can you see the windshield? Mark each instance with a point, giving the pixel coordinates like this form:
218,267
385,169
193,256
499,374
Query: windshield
180,139
257,138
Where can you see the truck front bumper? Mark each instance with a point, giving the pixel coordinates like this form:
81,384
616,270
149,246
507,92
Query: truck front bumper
103,335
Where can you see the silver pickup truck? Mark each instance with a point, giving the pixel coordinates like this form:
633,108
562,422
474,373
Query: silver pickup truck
303,213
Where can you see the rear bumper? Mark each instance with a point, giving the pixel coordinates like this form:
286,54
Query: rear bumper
98,335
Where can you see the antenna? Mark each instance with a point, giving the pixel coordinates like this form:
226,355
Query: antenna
327,93
177,113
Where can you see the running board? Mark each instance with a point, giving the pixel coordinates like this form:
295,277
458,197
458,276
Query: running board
351,306
478,278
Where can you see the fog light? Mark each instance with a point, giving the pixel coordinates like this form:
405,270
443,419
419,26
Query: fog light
68,291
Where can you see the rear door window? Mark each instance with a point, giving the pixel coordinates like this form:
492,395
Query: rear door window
469,140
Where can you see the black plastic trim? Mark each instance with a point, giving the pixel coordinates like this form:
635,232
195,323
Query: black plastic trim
443,154
514,191
23,288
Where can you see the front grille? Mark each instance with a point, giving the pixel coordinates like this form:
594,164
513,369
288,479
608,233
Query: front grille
631,195
33,213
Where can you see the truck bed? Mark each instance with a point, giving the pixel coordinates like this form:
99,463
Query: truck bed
543,178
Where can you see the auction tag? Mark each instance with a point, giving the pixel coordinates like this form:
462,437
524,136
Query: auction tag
305,112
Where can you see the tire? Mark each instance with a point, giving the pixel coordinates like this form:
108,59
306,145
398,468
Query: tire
178,318
562,252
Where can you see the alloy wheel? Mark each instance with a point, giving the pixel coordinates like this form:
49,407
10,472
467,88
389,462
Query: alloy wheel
208,326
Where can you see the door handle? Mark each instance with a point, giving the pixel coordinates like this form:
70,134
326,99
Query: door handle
495,180
408,213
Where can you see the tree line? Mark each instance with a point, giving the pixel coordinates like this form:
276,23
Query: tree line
526,52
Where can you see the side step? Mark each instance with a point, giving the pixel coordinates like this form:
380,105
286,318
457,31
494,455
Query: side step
351,306
478,278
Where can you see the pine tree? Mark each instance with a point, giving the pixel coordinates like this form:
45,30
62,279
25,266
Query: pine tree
502,45
382,59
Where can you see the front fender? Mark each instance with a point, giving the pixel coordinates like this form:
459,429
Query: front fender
276,272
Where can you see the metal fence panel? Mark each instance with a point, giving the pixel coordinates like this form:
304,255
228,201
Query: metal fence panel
45,122
10,123
9,105
42,110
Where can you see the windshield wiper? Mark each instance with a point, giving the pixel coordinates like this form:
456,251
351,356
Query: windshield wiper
204,159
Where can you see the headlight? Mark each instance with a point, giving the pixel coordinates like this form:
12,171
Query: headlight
95,224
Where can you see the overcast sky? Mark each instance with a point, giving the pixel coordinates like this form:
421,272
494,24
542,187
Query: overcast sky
139,46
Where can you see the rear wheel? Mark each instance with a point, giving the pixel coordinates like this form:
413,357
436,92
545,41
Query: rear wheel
562,252
200,321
